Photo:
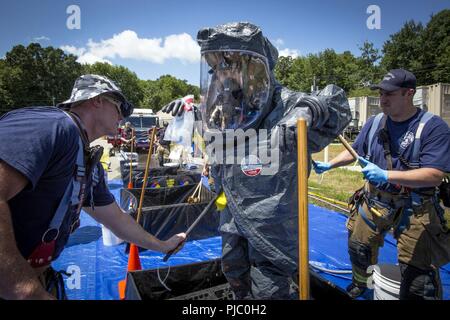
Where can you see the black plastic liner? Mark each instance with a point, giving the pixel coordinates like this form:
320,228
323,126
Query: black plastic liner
182,280
154,181
323,289
190,281
165,212
138,173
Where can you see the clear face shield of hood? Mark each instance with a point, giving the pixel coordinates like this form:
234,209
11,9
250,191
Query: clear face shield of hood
234,88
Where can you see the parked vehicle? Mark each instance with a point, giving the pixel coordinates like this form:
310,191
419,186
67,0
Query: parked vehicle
115,141
142,120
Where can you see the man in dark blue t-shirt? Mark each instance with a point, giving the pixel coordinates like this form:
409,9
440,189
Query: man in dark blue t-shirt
401,190
47,173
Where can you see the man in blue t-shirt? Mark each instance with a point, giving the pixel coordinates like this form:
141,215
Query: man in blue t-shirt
401,190
47,173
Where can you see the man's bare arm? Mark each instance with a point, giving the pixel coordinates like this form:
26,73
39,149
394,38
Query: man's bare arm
418,178
342,159
17,279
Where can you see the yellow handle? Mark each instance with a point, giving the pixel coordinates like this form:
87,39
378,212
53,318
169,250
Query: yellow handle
376,212
221,201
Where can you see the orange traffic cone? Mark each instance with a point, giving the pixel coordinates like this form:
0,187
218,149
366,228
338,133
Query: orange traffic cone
134,263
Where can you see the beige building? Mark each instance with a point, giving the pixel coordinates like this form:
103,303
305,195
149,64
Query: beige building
363,108
434,98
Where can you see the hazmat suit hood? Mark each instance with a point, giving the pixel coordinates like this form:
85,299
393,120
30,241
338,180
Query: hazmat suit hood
250,92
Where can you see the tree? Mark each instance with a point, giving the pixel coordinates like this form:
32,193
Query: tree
160,92
312,73
322,69
423,51
435,59
5,98
297,79
349,70
361,91
282,70
151,91
369,71
36,76
404,49
127,80
369,54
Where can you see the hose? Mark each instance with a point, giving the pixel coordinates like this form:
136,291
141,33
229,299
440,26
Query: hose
326,200
163,282
329,199
337,271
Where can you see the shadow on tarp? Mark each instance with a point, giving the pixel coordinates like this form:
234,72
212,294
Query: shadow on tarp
115,186
84,235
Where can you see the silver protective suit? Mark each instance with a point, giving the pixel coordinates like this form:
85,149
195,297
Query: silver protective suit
259,224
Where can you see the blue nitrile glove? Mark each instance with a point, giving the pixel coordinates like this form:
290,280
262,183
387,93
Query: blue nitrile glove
320,167
372,172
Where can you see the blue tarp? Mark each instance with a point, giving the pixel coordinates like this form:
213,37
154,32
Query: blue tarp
102,267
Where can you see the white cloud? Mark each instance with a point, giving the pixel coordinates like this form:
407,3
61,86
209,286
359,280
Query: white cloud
74,50
41,38
90,58
294,53
278,42
83,56
127,45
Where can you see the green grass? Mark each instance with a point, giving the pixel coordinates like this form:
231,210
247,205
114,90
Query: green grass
338,184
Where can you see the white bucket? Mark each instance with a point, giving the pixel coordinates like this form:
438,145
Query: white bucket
109,238
171,164
386,282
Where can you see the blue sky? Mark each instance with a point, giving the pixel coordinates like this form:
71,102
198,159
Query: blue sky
156,37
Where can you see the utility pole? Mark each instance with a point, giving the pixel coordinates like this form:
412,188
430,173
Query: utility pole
313,87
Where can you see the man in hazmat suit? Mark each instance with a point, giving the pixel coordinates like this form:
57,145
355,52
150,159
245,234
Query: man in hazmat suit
240,94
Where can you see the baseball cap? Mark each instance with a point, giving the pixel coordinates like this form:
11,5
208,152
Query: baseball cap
396,79
89,86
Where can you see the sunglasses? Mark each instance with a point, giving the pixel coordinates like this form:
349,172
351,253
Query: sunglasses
115,102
